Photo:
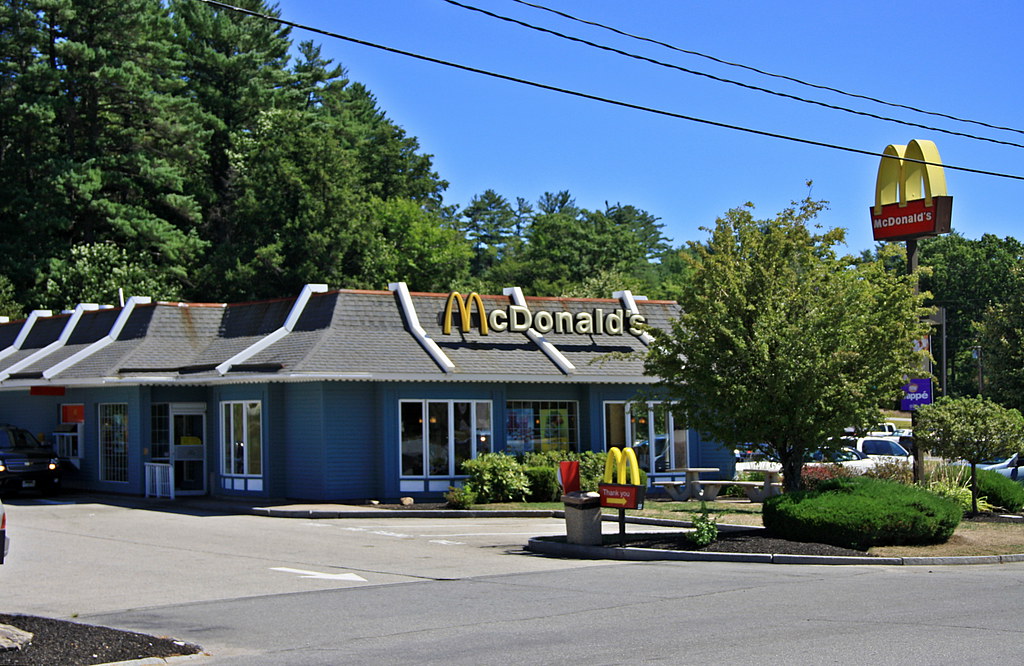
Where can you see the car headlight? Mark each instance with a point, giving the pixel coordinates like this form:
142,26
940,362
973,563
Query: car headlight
53,464
3,466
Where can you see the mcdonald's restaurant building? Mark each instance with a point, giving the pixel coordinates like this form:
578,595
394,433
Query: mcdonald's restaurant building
335,395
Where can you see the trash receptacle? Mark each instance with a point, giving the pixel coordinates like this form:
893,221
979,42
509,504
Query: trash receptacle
582,518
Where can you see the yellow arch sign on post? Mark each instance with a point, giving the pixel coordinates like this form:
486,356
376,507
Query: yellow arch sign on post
614,490
910,193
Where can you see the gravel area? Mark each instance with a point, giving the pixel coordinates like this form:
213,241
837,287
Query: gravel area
74,644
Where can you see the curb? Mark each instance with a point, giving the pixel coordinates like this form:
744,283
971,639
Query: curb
557,547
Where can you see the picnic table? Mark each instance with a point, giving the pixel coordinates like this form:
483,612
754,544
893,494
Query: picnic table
695,488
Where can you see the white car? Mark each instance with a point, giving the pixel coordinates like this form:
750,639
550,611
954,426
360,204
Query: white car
845,456
1010,468
883,449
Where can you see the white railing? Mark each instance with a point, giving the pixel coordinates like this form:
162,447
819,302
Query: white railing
159,480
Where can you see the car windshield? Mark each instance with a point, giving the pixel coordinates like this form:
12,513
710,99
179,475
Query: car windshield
883,447
17,439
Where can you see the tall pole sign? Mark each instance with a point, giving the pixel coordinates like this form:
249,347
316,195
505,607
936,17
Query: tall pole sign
911,203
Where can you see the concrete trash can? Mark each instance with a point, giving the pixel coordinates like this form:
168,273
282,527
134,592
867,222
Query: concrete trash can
582,518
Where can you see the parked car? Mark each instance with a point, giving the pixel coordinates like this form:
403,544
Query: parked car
1010,467
845,456
25,463
4,540
880,448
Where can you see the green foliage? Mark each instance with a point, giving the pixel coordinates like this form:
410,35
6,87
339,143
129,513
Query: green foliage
1000,491
496,477
705,529
785,342
860,513
959,494
967,277
970,429
95,273
460,497
543,484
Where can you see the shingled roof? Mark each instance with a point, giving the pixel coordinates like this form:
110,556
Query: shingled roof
325,335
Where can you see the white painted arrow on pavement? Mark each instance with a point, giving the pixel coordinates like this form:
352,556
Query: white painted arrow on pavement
322,576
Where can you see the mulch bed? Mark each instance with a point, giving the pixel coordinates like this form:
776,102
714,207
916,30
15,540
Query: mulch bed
74,644
754,541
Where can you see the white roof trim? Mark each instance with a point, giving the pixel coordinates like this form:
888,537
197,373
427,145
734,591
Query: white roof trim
628,301
26,328
413,324
65,334
552,352
110,337
289,324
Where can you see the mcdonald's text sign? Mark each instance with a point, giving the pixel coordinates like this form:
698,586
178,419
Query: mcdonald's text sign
910,193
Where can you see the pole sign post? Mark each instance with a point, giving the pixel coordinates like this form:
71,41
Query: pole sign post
621,495
910,194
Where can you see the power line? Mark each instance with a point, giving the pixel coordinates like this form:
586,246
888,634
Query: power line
720,79
595,98
766,73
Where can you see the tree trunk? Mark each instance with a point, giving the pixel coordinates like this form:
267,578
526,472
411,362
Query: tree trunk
974,488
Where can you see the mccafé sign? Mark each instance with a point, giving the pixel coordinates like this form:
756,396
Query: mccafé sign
910,193
520,319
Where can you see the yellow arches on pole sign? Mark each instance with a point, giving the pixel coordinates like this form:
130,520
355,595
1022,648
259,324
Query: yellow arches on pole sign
619,461
903,177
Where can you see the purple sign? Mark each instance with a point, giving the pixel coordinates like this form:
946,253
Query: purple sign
916,393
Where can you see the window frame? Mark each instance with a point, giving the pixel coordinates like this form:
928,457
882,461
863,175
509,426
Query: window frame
536,428
110,437
227,452
477,432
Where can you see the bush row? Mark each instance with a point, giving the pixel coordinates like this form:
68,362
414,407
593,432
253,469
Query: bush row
531,477
861,512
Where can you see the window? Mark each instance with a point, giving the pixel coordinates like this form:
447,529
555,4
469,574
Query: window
160,432
659,447
242,438
541,426
113,438
68,435
437,436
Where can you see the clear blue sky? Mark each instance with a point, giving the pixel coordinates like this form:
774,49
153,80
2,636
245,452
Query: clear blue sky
957,58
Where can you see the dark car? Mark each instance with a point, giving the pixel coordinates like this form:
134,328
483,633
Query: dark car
25,463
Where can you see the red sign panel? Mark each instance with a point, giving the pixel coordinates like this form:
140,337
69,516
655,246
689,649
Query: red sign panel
46,390
72,413
914,220
621,496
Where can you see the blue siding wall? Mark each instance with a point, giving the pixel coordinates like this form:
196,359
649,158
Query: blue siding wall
353,441
298,452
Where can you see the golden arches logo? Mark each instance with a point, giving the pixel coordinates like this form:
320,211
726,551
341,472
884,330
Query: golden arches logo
910,193
622,461
465,307
903,172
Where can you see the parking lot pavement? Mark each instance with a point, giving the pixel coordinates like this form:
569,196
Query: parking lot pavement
77,555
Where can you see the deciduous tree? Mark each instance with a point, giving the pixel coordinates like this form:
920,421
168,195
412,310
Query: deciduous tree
782,342
971,429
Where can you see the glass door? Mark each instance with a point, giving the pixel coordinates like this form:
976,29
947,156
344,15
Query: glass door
188,449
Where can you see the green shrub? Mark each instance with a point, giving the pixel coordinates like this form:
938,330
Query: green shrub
959,494
705,529
860,513
591,465
496,477
1000,491
460,498
543,484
